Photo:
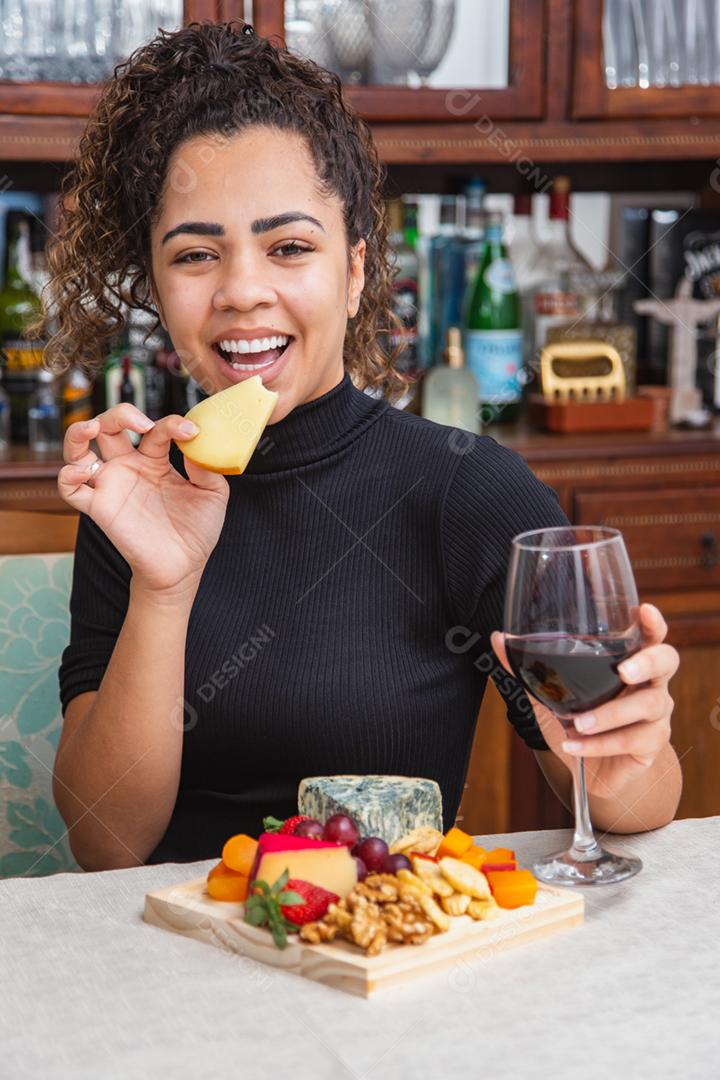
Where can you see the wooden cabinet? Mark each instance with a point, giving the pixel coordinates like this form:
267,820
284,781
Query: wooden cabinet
663,492
554,109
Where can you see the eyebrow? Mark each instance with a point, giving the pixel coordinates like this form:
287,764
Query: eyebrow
262,225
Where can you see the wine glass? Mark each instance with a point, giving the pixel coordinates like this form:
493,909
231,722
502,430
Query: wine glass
571,617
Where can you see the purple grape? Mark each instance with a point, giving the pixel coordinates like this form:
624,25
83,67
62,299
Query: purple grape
311,830
341,829
361,868
373,852
393,863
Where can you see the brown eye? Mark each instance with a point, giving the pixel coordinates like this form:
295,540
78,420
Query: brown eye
292,249
189,258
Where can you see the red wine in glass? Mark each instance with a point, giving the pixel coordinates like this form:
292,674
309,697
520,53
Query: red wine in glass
570,673
571,618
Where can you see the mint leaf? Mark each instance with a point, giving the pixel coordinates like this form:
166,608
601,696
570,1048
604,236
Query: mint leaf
272,824
289,898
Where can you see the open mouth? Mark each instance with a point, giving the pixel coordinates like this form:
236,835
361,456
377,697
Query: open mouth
246,356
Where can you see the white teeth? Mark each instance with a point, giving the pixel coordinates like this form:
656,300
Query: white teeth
254,346
251,367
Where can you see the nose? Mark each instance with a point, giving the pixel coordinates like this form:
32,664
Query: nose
245,284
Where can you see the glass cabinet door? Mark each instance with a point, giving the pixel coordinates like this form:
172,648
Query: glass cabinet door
438,43
421,59
647,58
76,41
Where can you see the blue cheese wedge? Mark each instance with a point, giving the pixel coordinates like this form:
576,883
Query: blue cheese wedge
385,806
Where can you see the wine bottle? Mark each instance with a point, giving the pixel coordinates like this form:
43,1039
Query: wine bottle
22,359
44,416
405,289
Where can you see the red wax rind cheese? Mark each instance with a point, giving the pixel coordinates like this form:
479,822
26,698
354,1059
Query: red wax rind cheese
331,866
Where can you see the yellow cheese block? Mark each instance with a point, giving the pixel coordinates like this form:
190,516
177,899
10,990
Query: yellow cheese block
330,868
231,423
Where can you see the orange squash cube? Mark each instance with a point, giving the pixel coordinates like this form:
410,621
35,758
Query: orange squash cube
454,843
474,856
512,888
500,854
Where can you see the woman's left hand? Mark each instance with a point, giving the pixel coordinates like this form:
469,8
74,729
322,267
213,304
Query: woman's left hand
622,738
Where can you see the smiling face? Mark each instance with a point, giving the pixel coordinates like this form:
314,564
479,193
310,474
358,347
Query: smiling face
247,254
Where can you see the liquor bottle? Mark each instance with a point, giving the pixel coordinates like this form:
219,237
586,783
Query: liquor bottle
127,390
450,391
155,377
145,340
493,335
77,398
4,422
524,253
410,221
45,416
451,270
405,288
429,244
562,295
22,359
472,234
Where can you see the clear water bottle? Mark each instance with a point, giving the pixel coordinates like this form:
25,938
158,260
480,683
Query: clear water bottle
45,416
450,390
4,423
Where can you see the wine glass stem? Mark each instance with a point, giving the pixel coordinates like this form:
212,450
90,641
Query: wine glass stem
585,847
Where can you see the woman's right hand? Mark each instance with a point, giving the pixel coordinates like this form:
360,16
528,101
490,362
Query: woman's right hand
164,525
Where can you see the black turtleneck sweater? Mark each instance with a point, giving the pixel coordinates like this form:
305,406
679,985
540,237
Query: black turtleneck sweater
342,622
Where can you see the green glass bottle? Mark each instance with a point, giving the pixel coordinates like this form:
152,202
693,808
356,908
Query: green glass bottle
493,334
21,359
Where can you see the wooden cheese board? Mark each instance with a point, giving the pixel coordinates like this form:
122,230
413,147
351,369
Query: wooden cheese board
187,909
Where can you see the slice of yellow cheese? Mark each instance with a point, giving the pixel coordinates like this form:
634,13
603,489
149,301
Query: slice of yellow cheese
231,423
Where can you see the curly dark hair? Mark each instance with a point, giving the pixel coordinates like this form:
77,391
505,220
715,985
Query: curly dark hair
205,79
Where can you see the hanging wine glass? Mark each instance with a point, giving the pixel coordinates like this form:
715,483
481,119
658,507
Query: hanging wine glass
346,23
438,39
399,31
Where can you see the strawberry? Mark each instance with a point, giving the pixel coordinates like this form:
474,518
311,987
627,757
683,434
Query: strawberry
285,905
284,828
316,902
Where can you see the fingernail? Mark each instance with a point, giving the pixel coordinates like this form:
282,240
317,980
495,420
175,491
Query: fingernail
629,669
586,722
188,428
572,746
94,467
87,424
145,424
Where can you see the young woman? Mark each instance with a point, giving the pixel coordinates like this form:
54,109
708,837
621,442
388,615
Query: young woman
311,616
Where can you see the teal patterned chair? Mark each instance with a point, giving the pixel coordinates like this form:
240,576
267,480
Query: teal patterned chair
34,630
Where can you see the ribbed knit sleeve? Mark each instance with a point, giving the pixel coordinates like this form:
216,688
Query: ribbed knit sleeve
98,605
493,496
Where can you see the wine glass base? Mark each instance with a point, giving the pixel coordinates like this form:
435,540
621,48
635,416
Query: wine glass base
564,868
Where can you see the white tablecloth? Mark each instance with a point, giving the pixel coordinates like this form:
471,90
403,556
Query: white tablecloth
87,990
